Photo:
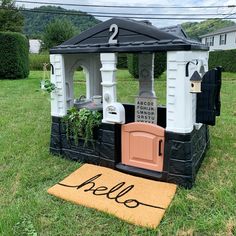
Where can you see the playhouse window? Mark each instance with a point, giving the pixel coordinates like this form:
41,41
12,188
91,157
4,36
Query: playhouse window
128,88
128,85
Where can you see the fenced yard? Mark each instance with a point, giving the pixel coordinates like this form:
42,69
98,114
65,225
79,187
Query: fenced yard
27,170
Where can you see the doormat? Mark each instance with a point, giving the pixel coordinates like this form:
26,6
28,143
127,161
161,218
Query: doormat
136,200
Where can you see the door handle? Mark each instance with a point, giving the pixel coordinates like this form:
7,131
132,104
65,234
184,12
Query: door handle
159,149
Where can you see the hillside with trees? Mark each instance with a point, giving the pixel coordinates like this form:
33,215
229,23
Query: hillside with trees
37,19
11,19
196,29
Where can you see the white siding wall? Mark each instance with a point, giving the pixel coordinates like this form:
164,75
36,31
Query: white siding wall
58,101
181,103
230,41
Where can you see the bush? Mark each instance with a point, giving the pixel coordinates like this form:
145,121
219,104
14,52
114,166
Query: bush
57,32
133,65
224,58
159,64
14,56
122,61
36,61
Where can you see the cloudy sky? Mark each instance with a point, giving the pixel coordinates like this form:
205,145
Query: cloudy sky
221,12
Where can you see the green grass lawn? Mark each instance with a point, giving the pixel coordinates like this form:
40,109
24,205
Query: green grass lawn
27,170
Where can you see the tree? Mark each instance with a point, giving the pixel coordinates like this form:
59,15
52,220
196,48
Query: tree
35,22
57,32
11,19
196,29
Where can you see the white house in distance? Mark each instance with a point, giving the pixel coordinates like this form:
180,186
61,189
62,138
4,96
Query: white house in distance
221,39
34,45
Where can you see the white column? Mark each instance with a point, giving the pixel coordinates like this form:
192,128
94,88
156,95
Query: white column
58,97
108,72
113,112
181,104
146,75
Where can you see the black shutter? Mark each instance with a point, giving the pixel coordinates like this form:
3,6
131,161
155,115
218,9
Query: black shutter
208,101
218,84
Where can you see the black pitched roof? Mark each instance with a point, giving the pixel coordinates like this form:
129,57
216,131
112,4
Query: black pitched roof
196,77
133,36
176,30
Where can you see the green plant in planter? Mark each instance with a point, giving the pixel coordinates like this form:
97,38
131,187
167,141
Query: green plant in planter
81,123
47,86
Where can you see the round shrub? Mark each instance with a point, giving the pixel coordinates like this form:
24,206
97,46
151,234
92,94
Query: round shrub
224,58
14,53
122,61
159,64
133,64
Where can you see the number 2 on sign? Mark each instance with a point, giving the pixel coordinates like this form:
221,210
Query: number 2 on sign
113,28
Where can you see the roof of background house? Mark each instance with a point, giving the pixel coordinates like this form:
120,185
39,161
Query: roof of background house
220,31
133,36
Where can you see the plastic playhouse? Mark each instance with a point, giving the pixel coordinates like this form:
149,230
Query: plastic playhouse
165,143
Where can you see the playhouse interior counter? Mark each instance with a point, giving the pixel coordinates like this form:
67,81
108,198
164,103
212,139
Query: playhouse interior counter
89,104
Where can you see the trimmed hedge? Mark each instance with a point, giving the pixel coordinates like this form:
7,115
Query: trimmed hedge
159,64
133,65
224,58
122,61
14,56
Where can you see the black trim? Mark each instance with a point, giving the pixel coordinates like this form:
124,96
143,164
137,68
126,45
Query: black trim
127,49
141,172
52,68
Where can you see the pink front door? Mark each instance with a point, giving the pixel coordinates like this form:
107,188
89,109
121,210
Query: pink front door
143,145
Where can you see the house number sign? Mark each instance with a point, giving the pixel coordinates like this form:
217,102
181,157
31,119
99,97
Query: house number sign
115,30
146,110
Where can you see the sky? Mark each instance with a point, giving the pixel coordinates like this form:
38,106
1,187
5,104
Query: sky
151,10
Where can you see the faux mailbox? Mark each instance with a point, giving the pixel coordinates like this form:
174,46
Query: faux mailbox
114,113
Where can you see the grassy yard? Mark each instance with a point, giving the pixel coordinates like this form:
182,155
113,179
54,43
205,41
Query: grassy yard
27,170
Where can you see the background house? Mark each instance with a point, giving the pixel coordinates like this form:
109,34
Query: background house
222,39
35,45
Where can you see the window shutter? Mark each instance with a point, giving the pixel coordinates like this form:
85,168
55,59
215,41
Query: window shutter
208,101
218,84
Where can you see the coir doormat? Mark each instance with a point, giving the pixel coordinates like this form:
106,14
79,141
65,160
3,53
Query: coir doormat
139,201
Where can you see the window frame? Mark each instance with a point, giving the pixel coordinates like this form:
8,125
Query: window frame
209,41
222,39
